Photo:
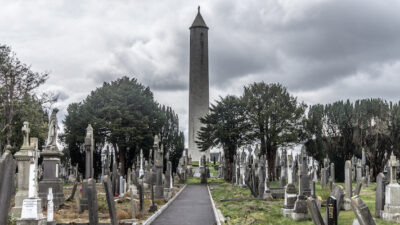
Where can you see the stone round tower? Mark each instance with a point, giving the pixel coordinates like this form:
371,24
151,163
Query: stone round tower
198,86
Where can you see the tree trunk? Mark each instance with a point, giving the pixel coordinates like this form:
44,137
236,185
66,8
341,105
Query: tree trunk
228,168
122,152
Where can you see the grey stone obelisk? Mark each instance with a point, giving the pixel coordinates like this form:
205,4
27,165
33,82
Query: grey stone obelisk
198,84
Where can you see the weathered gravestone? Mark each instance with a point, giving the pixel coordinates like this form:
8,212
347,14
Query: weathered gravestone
358,187
93,207
362,212
7,170
315,213
50,208
392,194
290,199
348,186
110,200
159,169
379,195
134,208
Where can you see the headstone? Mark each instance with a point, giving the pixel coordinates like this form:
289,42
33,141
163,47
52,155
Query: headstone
367,176
78,204
348,185
331,211
392,194
50,208
300,211
93,207
203,178
290,199
159,169
359,172
338,194
51,163
379,195
332,176
134,208
153,206
7,170
362,212
359,186
141,198
315,213
110,200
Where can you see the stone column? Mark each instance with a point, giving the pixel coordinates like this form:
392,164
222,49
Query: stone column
23,158
348,185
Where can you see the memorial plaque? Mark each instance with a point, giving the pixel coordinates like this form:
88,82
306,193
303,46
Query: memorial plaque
29,209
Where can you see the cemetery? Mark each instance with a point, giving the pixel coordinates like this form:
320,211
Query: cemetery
267,150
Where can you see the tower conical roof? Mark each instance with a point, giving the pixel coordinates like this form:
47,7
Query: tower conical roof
198,21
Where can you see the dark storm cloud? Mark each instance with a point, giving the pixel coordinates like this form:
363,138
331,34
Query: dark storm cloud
329,41
322,50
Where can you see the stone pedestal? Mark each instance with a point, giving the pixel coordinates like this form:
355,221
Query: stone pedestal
32,213
23,158
392,203
51,165
300,211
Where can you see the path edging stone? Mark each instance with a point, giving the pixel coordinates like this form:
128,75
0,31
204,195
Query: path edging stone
217,218
164,207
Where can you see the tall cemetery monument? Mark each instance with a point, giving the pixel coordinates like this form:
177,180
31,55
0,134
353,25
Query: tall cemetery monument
198,84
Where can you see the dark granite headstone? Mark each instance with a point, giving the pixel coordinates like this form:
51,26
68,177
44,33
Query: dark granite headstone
93,207
379,195
110,200
332,211
7,170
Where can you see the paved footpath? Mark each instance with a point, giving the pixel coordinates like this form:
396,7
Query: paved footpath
191,207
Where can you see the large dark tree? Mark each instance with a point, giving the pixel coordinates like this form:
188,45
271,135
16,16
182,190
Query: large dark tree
124,113
18,101
276,116
225,126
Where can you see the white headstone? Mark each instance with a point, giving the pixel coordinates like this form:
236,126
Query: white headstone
32,180
50,206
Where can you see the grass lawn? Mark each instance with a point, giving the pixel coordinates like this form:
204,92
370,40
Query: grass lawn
268,212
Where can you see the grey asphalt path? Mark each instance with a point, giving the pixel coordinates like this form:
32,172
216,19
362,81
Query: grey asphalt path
191,207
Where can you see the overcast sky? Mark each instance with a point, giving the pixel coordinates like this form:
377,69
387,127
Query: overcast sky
321,50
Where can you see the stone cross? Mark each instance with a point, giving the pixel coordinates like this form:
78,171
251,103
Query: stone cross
26,130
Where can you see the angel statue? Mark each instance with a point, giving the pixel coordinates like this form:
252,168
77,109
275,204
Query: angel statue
53,127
